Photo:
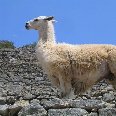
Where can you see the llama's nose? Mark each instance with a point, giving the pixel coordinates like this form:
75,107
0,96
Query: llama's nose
27,25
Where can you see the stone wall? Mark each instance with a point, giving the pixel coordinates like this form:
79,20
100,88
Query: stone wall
26,91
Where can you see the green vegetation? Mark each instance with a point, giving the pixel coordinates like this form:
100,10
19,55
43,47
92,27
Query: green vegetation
6,44
31,45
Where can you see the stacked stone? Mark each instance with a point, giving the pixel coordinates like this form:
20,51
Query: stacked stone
26,91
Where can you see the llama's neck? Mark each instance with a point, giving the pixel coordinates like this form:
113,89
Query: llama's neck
46,34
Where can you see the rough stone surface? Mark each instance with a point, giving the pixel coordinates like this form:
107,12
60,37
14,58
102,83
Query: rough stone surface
15,108
25,89
67,112
33,109
2,100
4,110
107,112
88,104
92,114
56,103
108,97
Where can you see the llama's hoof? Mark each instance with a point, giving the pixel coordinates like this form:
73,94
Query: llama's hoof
68,96
62,95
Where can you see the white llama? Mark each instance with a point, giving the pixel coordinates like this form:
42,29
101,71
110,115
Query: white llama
72,68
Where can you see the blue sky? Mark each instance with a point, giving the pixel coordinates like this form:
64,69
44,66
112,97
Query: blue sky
79,21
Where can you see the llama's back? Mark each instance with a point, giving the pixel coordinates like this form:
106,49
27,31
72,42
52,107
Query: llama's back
87,57
85,64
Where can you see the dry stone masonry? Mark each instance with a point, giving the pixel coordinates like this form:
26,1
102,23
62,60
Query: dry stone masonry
26,91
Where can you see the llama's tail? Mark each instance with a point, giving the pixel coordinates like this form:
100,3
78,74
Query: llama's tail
112,66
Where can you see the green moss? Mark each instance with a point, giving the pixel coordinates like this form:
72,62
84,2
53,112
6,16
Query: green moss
6,44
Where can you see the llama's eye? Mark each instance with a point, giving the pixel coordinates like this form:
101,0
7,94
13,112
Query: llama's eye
35,19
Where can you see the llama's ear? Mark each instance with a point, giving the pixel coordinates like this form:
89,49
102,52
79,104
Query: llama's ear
49,18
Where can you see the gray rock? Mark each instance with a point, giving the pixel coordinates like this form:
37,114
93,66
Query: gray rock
33,109
92,114
88,104
109,105
4,110
15,108
29,96
10,99
108,97
56,103
43,92
2,100
67,112
109,88
46,97
107,112
13,90
35,101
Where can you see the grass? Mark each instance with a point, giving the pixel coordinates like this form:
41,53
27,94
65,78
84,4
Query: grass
6,44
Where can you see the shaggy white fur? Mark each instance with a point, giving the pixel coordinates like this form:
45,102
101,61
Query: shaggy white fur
72,68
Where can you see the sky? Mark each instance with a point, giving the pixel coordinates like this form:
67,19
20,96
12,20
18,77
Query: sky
78,21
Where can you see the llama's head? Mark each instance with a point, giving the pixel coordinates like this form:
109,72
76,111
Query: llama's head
38,22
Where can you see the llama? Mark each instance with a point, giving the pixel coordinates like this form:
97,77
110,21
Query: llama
72,68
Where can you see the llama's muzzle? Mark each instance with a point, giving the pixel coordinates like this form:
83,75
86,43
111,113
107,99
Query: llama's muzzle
27,26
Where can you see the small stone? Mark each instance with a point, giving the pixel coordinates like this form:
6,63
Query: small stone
12,60
92,114
67,112
99,97
33,109
4,110
103,91
14,109
109,105
107,112
35,101
22,103
29,96
108,97
10,99
94,110
39,79
2,100
88,104
55,103
109,88
84,97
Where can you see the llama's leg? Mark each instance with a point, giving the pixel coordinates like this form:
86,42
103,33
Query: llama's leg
111,79
66,88
112,67
113,82
55,81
